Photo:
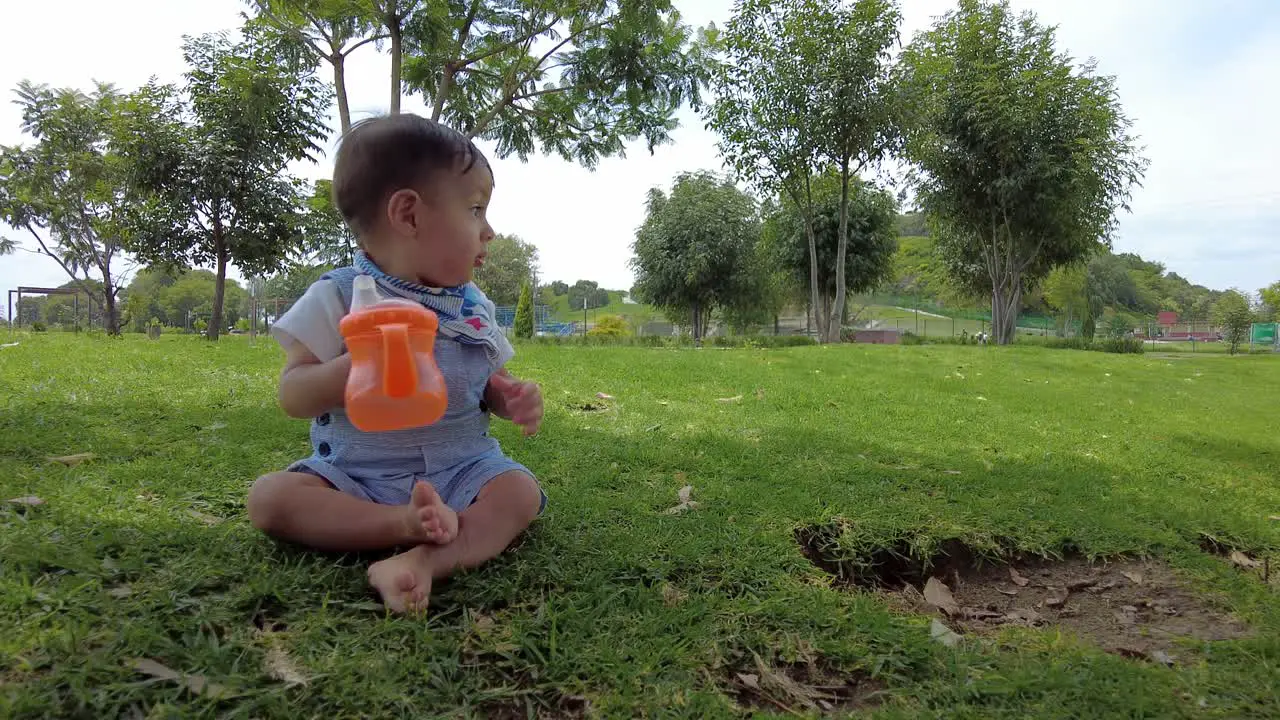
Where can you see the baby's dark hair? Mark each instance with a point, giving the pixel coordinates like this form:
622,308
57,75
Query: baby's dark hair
381,155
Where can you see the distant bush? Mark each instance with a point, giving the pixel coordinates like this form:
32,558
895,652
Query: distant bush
610,326
1132,346
38,326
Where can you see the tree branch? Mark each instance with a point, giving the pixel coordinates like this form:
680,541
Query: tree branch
80,283
291,29
366,41
452,68
508,45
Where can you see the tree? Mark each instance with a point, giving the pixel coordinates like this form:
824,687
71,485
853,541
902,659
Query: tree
765,86
218,192
1065,291
693,249
71,189
870,240
859,113
559,288
1021,158
524,312
511,262
328,31
575,79
1231,313
587,294
326,238
1270,296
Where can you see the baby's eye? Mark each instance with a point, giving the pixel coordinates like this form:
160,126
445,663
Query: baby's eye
477,211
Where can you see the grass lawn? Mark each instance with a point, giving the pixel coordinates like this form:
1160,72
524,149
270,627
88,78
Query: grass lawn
874,457
561,312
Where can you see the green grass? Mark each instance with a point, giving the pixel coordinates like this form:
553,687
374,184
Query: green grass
608,598
927,325
561,312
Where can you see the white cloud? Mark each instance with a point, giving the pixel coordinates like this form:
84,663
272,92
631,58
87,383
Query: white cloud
1201,93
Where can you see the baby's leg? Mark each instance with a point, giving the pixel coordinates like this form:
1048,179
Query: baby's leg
502,510
306,509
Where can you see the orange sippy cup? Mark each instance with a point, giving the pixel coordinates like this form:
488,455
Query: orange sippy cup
394,382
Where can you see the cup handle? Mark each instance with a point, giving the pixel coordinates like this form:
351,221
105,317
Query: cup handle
399,374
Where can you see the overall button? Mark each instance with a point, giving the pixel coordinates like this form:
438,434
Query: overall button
324,449
323,419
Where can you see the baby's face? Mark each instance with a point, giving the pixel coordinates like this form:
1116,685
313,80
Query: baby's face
454,230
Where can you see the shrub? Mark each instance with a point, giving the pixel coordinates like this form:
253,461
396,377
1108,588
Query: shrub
524,313
38,326
609,326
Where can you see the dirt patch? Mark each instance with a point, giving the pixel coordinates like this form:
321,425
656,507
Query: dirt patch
1136,608
800,687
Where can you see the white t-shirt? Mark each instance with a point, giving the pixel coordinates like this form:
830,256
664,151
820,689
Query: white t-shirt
313,321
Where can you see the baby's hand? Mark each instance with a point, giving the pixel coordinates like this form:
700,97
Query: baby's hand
520,402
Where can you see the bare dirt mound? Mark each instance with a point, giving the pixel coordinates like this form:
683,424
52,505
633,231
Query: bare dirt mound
1136,608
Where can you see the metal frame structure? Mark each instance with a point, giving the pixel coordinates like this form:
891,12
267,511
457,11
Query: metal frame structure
22,289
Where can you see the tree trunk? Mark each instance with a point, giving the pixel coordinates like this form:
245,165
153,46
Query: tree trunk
397,58
111,317
835,322
1006,298
696,321
820,324
340,88
219,286
110,313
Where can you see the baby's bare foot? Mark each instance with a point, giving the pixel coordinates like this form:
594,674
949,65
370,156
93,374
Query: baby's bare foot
429,519
404,580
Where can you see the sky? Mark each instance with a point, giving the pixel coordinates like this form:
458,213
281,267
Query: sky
1197,78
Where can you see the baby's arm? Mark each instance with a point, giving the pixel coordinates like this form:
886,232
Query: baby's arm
309,386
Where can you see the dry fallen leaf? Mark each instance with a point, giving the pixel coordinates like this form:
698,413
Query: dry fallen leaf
749,680
988,465
759,393
672,595
1273,517
1241,560
119,593
943,634
686,492
604,396
482,622
1026,615
663,403
952,472
1017,579
73,460
939,595
1081,584
1162,657
1010,593
980,614
281,667
195,683
205,518
1126,618
734,399
29,500
1133,577
1055,602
